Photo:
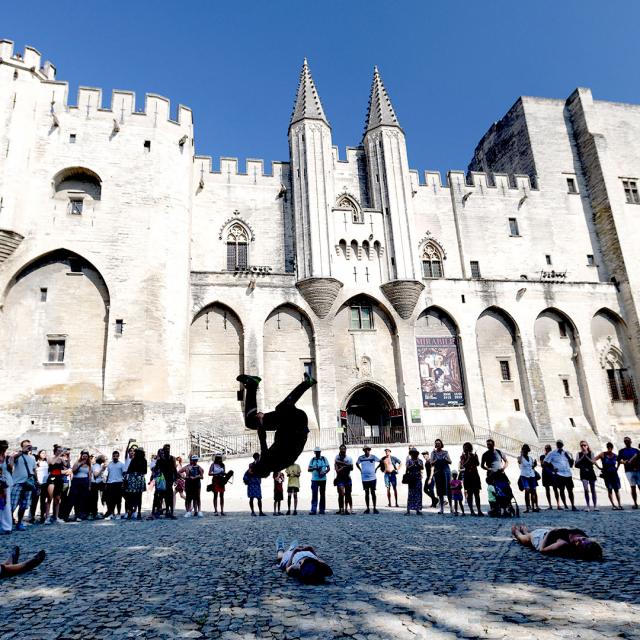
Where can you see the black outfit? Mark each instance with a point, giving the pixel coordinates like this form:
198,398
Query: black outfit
168,468
135,482
563,534
584,462
289,424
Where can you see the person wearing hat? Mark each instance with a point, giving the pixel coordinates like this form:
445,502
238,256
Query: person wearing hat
192,483
367,464
302,562
318,468
343,467
390,465
562,461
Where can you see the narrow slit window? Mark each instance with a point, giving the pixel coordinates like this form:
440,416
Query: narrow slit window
119,327
43,294
72,138
571,185
475,269
565,387
505,370
547,259
147,146
572,422
76,206
513,227
591,261
562,328
516,404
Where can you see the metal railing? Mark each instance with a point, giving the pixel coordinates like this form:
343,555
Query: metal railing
505,443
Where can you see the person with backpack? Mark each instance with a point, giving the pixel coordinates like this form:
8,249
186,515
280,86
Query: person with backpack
318,468
562,462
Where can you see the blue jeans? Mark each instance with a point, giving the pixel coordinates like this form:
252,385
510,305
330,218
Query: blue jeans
315,486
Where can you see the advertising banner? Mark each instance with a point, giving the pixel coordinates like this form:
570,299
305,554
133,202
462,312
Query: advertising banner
440,375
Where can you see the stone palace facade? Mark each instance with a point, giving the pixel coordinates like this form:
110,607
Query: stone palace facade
136,282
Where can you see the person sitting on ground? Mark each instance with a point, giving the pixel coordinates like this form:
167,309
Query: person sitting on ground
302,562
572,543
289,423
12,567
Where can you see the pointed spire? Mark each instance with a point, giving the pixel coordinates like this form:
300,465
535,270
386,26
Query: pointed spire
380,111
307,103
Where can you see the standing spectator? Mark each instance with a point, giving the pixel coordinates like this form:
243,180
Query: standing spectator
168,468
180,482
80,491
98,469
610,474
367,465
254,489
55,484
217,471
469,464
24,481
66,503
493,459
113,486
584,462
293,472
159,485
6,483
193,475
440,463
390,465
278,493
343,467
456,493
549,478
429,481
630,457
128,457
42,473
413,479
318,468
528,480
562,463
135,484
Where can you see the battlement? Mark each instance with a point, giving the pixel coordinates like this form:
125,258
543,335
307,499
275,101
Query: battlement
254,169
476,180
352,154
30,60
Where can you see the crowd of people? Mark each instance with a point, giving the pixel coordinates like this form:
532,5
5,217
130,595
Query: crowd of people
38,486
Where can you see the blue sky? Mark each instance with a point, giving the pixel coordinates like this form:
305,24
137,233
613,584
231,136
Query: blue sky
451,68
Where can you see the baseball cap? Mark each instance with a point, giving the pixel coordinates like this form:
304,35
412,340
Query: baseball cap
317,450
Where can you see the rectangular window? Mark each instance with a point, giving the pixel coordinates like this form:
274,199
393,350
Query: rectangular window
119,327
308,369
565,386
147,146
432,269
516,404
75,206
547,259
475,269
361,317
75,266
462,298
631,191
571,185
236,256
513,227
505,370
72,138
613,385
43,294
620,385
572,422
591,261
562,328
56,350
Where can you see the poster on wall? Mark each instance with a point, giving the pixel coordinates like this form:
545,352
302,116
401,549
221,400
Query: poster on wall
440,375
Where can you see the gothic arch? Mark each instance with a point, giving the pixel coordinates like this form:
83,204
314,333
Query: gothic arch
428,238
346,201
243,224
374,302
200,309
381,389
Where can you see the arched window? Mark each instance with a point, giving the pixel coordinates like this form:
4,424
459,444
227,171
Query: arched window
79,186
366,249
237,245
354,250
620,382
345,202
432,261
343,248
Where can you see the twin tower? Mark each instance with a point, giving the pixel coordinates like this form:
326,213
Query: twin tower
388,190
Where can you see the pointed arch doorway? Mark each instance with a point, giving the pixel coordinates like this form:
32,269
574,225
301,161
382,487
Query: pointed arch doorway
372,416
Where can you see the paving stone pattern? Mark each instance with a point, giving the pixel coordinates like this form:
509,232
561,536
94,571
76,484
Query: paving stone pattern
395,577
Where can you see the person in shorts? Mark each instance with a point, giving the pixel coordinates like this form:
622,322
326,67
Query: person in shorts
343,466
278,493
630,457
293,472
570,543
390,465
367,464
562,461
217,472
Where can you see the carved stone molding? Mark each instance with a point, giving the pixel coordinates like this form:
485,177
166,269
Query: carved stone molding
403,295
320,293
9,242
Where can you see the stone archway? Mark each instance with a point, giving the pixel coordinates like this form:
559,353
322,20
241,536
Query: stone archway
370,416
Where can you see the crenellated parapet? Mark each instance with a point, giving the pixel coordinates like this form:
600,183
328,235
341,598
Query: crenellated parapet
30,60
486,183
230,171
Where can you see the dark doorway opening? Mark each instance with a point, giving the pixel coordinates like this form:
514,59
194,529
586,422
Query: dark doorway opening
371,418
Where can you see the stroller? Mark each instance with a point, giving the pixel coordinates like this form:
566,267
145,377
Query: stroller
502,502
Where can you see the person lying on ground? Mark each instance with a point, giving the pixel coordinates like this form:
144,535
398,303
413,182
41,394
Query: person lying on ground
302,562
571,543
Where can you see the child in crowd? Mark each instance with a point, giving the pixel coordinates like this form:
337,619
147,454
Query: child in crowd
254,489
456,492
293,472
278,493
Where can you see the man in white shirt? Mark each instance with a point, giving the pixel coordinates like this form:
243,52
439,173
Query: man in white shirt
562,462
113,488
24,465
367,464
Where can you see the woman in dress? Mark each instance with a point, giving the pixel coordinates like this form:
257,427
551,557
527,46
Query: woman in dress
584,462
610,474
414,467
42,473
440,462
80,491
528,480
469,464
180,482
254,488
217,472
135,484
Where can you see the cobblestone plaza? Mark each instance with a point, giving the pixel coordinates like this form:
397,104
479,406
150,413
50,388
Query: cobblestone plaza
394,577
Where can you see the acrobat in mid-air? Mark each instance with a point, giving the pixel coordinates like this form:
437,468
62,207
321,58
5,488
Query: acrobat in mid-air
289,423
